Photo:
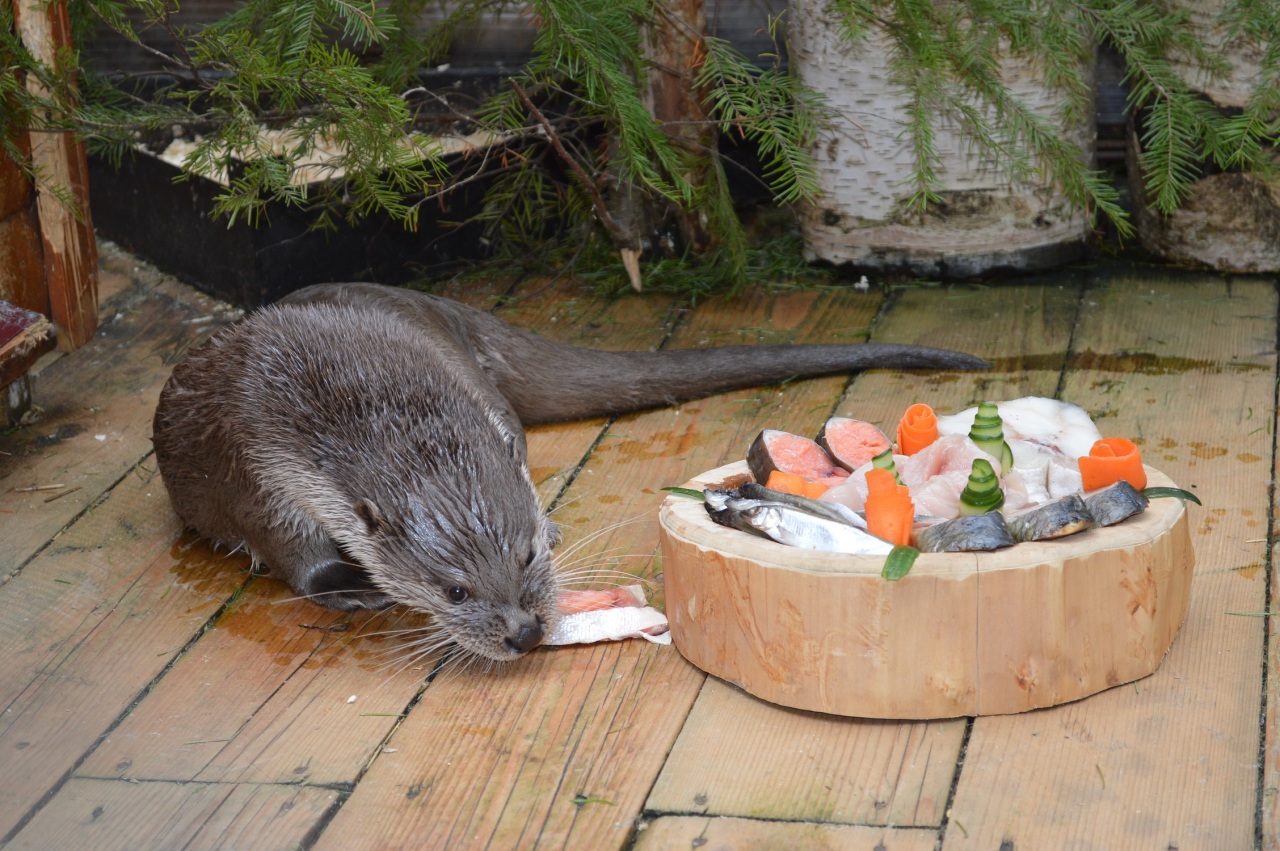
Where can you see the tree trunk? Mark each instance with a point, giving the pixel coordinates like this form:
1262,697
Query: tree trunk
673,48
983,223
1229,221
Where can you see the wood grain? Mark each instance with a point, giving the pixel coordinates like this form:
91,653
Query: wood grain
741,756
290,718
111,814
733,834
88,625
1132,766
97,412
66,230
1033,320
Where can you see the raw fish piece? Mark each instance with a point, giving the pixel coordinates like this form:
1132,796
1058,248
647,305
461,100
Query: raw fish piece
948,454
1064,478
1115,502
791,453
851,443
1055,519
611,614
965,534
1060,427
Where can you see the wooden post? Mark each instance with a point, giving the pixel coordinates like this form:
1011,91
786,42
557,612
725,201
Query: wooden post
675,50
66,233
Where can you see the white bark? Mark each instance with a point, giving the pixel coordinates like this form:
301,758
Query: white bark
985,223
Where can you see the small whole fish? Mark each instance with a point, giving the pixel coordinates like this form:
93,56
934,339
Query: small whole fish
789,524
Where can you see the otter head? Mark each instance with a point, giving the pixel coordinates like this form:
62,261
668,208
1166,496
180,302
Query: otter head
482,570
478,560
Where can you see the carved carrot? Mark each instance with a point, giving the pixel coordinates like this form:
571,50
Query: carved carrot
890,512
1110,460
794,483
917,429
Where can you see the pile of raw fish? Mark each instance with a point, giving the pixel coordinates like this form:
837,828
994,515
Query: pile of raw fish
1039,478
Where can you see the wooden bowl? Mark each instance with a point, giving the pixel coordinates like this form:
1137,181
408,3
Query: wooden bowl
1030,626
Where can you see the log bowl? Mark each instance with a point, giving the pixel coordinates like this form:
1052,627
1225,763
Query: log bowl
1022,628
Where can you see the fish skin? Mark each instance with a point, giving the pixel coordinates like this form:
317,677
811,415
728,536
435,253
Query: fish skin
1115,502
978,532
796,528
1055,519
830,510
792,526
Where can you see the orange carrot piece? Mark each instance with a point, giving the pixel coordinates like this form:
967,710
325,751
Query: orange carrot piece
1110,460
890,512
917,429
794,483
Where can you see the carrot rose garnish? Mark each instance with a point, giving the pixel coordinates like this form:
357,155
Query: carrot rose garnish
1110,460
917,429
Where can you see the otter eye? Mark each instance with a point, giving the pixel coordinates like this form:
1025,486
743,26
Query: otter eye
457,594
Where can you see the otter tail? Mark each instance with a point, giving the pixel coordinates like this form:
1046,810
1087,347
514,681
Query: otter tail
545,381
565,383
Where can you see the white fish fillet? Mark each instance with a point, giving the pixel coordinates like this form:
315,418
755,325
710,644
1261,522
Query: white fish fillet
610,625
623,621
1062,428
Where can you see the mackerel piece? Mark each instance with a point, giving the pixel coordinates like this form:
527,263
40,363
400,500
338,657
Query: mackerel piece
1055,519
1115,503
978,532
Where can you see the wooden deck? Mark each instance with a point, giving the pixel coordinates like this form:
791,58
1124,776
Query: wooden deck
156,696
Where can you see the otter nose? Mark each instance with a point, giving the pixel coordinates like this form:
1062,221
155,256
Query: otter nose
528,637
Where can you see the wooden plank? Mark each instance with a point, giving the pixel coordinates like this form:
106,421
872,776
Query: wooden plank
98,406
66,232
1170,761
110,814
733,834
88,624
789,764
289,717
1022,330
585,720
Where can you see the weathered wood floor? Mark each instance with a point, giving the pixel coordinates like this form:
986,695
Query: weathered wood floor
156,696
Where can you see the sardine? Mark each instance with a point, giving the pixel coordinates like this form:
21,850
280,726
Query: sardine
1055,519
1115,503
965,534
830,510
790,525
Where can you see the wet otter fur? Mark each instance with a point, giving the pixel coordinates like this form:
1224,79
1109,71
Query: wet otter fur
365,443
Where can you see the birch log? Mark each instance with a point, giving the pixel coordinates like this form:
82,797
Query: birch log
983,224
1230,220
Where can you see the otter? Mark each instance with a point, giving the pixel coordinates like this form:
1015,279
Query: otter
366,444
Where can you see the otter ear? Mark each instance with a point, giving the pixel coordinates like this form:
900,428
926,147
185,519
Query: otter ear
372,517
551,532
